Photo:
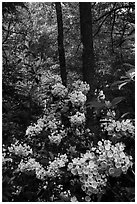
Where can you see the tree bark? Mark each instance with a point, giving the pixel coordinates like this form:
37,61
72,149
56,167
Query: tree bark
60,44
88,67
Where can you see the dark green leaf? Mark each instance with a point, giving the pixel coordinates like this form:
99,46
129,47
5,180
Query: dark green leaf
117,100
95,104
44,161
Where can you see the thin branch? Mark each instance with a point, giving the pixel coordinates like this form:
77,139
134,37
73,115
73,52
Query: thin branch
100,26
121,37
111,11
112,29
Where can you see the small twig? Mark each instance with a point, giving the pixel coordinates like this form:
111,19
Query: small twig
100,26
112,29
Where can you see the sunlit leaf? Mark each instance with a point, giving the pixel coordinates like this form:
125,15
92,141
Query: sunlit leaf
118,83
131,74
121,85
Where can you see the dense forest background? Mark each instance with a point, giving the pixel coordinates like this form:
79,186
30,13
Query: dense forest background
47,42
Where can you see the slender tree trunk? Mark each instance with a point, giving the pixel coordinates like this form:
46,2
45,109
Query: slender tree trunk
87,41
88,57
60,43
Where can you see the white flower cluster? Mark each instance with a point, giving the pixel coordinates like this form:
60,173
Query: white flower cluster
20,149
53,169
35,129
32,167
81,86
112,159
77,98
57,131
47,122
53,125
86,167
58,90
122,127
73,199
77,119
55,138
97,164
50,123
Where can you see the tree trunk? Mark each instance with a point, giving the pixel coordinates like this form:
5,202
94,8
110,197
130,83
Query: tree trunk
60,44
88,66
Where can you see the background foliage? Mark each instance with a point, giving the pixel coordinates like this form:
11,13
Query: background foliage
31,68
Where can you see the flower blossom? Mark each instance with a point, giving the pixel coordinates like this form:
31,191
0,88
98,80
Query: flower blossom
73,199
55,138
53,124
77,98
33,167
112,158
86,168
123,127
81,86
77,119
53,169
97,164
58,90
36,129
20,149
